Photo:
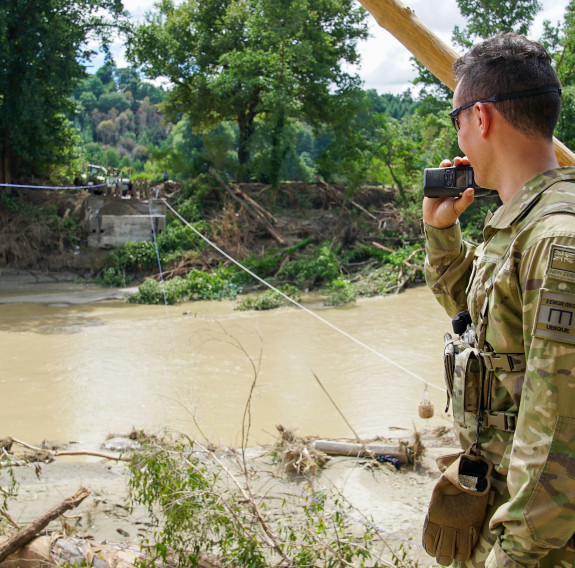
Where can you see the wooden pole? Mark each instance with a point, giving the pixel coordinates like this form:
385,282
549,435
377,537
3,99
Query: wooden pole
401,22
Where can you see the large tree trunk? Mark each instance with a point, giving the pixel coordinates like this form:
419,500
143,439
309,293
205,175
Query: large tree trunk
430,50
246,131
5,162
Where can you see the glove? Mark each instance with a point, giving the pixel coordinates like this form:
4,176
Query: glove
457,507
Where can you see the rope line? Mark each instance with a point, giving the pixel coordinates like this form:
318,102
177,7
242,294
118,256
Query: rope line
296,303
273,479
54,186
195,413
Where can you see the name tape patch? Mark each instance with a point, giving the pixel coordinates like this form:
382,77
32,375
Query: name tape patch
562,262
555,316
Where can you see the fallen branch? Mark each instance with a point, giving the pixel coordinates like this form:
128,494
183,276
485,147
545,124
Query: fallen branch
9,519
334,448
252,207
405,261
25,535
335,195
58,453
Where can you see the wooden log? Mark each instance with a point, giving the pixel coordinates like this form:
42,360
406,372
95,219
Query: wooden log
35,554
25,535
334,448
401,22
252,207
53,551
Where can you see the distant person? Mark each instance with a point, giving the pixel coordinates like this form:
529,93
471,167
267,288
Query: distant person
166,176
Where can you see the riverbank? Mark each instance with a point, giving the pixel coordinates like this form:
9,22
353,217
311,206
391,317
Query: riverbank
393,502
24,286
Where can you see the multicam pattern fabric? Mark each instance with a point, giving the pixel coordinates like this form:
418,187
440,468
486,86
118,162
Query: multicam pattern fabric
524,273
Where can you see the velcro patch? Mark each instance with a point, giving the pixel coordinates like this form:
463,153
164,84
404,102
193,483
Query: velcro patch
562,262
555,316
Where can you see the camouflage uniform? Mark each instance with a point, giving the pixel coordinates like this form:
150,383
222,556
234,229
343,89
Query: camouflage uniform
523,280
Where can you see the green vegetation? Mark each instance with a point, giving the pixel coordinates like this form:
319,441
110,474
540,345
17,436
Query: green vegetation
196,285
117,115
29,227
270,300
207,506
262,65
263,91
42,47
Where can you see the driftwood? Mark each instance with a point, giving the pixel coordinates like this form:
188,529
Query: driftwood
255,210
42,452
406,261
54,550
334,448
401,22
334,194
25,535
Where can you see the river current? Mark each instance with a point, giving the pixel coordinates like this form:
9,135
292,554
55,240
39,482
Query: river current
75,370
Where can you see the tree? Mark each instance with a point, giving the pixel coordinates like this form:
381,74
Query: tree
250,62
489,17
484,19
560,42
42,46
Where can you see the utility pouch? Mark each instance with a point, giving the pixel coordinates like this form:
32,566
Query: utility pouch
449,367
458,506
468,377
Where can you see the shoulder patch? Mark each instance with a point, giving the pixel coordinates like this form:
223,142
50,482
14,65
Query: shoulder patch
555,317
562,262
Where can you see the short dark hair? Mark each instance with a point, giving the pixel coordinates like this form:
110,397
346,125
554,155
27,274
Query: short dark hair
508,63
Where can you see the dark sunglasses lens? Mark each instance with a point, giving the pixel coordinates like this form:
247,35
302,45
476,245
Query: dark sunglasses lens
455,123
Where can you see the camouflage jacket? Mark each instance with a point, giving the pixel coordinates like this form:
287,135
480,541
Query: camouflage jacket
526,269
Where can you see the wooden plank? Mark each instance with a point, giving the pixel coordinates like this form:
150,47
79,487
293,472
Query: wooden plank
335,448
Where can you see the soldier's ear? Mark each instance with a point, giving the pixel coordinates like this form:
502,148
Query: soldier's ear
482,116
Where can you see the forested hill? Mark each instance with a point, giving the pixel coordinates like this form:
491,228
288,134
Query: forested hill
120,118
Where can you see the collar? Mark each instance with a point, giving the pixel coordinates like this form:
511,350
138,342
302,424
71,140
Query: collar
526,196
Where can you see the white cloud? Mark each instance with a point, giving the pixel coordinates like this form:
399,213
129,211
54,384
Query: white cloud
385,63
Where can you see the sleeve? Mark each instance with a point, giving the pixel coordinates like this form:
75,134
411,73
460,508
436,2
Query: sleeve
448,265
540,514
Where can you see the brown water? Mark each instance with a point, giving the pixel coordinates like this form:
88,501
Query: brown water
80,372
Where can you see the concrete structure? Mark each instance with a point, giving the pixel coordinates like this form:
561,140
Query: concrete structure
114,221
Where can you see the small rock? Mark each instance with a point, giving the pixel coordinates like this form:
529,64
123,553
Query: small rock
119,444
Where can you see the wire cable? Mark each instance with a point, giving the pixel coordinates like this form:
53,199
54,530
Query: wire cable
298,304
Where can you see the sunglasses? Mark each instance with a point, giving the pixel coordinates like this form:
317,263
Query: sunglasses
505,97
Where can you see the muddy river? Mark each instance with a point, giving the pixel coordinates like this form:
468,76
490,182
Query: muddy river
77,369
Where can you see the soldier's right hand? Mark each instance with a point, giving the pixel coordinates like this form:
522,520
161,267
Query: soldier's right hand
442,212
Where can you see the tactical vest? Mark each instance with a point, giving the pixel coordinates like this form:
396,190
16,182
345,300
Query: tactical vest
470,364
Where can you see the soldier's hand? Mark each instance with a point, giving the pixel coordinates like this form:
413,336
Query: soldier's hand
442,212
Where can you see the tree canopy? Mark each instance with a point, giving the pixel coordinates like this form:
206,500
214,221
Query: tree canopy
484,18
260,64
43,44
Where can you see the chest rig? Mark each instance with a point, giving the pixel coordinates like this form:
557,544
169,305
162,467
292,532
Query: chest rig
471,366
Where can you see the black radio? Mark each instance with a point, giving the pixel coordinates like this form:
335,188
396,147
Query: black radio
451,182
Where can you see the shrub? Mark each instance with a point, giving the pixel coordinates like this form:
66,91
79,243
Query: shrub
340,291
323,266
269,299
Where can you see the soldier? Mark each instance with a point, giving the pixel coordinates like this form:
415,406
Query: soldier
513,380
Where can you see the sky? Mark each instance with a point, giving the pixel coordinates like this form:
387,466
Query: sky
385,63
